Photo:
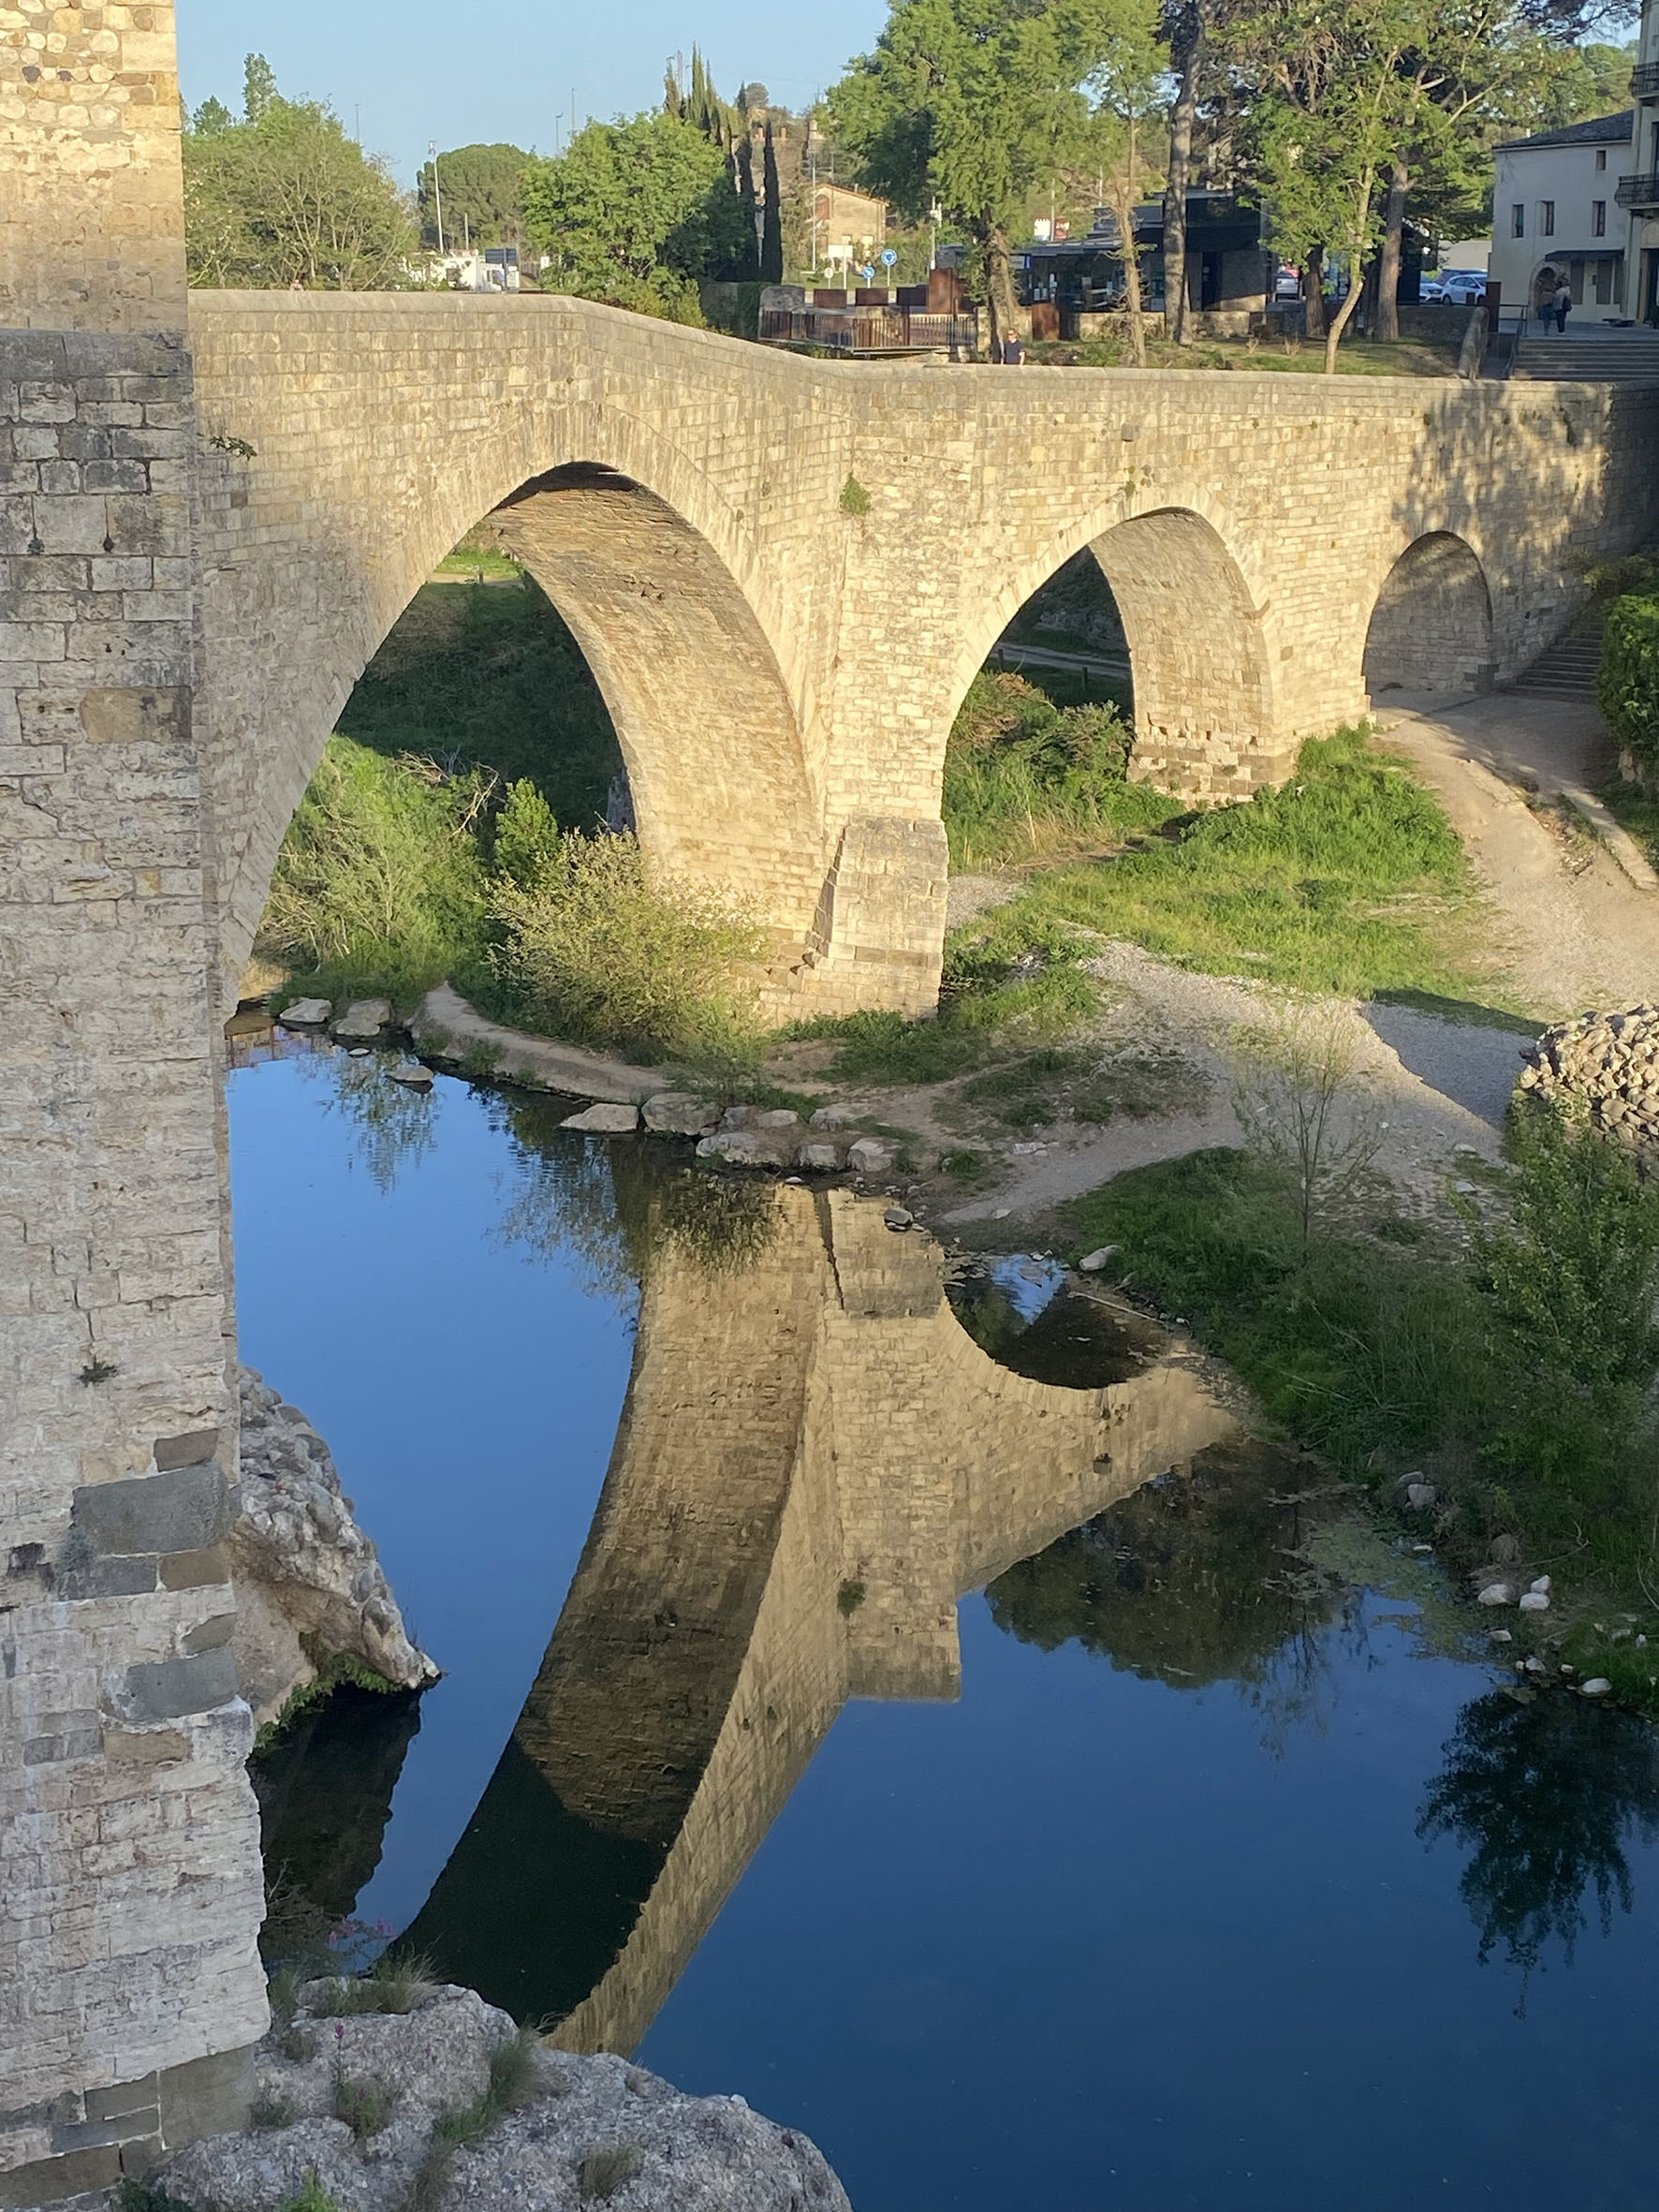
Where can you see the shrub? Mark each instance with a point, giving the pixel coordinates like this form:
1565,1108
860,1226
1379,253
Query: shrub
1021,772
606,946
1627,684
378,880
526,842
603,2172
365,2105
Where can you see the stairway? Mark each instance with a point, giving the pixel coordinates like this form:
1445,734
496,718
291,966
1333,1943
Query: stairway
1566,669
1611,356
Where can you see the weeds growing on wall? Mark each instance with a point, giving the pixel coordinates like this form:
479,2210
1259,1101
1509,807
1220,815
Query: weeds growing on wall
1024,777
1520,1370
1348,877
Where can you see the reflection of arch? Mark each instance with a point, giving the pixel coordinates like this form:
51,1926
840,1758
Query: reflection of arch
1205,712
815,1460
1431,628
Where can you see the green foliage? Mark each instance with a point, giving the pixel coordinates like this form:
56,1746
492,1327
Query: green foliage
603,2172
1347,879
491,678
855,500
314,2197
480,186
393,1983
635,212
364,2105
286,195
606,947
378,880
149,2196
525,846
512,2080
1627,684
1022,775
848,1599
269,2110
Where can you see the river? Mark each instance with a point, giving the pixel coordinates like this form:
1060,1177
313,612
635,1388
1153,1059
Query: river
942,1728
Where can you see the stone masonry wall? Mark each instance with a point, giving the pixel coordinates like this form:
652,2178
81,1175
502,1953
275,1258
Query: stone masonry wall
132,1890
92,210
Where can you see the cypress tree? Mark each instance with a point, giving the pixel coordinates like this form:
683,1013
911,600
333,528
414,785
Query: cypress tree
772,235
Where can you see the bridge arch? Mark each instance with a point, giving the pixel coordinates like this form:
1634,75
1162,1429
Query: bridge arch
1205,710
1431,625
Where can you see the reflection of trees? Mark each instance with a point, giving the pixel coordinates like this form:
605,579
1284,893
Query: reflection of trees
1186,1581
622,1205
391,1125
1075,1342
1545,1793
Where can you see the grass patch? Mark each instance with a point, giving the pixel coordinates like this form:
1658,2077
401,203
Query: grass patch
511,2082
603,2172
1024,776
269,2110
391,1985
365,2104
1348,878
1520,1369
1633,810
314,2197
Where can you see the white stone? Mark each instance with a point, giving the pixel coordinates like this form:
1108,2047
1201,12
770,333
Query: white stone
1092,1262
1500,1636
778,1117
1534,1601
868,1155
822,1159
836,1117
1420,1496
1597,1686
365,1018
1542,1584
1497,1593
678,1113
413,1074
604,1120
306,1013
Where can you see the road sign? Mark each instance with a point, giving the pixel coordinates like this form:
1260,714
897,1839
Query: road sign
889,257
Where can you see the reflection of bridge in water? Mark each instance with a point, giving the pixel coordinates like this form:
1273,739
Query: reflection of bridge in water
815,1462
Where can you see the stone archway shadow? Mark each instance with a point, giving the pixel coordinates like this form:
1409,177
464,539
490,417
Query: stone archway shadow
1431,628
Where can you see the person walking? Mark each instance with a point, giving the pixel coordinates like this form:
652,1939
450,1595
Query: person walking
1013,352
1561,304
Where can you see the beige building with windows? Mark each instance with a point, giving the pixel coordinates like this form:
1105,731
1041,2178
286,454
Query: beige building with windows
1559,214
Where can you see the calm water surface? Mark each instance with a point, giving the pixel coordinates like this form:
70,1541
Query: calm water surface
1197,1861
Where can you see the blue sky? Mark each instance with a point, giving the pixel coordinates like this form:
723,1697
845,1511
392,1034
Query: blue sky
420,70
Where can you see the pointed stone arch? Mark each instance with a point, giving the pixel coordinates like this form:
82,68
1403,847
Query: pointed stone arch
1431,626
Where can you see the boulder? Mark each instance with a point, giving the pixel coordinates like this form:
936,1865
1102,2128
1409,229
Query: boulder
820,1160
747,1148
414,1075
1534,1601
1421,1496
899,1218
364,1019
604,1120
1597,1686
678,1113
737,1118
305,1013
868,1155
1497,1593
1540,1587
836,1117
576,2124
303,1567
1092,1262
779,1119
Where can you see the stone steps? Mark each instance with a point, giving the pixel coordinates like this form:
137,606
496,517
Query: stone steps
1627,358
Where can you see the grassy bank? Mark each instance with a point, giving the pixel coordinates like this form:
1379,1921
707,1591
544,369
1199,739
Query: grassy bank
1355,356
1516,1369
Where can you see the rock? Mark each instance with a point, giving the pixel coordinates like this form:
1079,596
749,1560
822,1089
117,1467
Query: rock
737,1118
604,1120
746,1148
1500,1636
1092,1262
1597,1686
1497,1593
1542,1584
1463,1189
1534,1666
778,1118
305,1013
1506,1550
899,1218
1534,1601
868,1155
365,1018
413,1074
1604,1065
303,1567
1420,1497
836,1117
823,1159
678,1113
680,2153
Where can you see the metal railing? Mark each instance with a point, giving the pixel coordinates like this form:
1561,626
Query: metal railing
873,330
1644,81
1637,191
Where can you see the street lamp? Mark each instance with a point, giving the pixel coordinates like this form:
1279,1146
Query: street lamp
431,154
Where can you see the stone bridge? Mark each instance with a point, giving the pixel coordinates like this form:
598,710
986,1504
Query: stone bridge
815,1463
785,573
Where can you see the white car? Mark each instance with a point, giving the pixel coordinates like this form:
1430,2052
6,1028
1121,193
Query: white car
1457,288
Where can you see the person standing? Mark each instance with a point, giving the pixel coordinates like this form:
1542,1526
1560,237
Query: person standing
1562,304
1013,352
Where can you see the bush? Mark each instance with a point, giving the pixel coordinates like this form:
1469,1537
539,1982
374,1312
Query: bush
378,882
606,947
526,840
1627,684
1022,774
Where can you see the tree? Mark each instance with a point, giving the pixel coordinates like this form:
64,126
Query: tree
482,190
974,103
634,213
1183,28
1127,87
285,197
771,237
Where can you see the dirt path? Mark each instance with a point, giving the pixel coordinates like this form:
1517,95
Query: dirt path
1580,925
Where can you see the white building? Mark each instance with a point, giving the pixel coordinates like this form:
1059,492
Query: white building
1639,190
1561,211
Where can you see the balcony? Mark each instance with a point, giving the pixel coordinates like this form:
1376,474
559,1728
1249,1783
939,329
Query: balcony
1644,81
1641,193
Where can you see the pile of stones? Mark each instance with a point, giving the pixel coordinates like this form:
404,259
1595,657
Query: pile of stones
1607,1065
772,1137
306,1574
579,2132
364,1023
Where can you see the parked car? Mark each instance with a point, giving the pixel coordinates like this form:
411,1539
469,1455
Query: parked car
1456,288
1288,285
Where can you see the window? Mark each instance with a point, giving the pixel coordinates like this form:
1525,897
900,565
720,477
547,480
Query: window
1601,157
1546,218
1517,221
1598,218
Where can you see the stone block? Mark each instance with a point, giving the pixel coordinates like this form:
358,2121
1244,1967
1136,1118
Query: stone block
193,1449
120,1576
126,2098
183,1509
604,1120
169,1690
207,2096
45,2180
678,1113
